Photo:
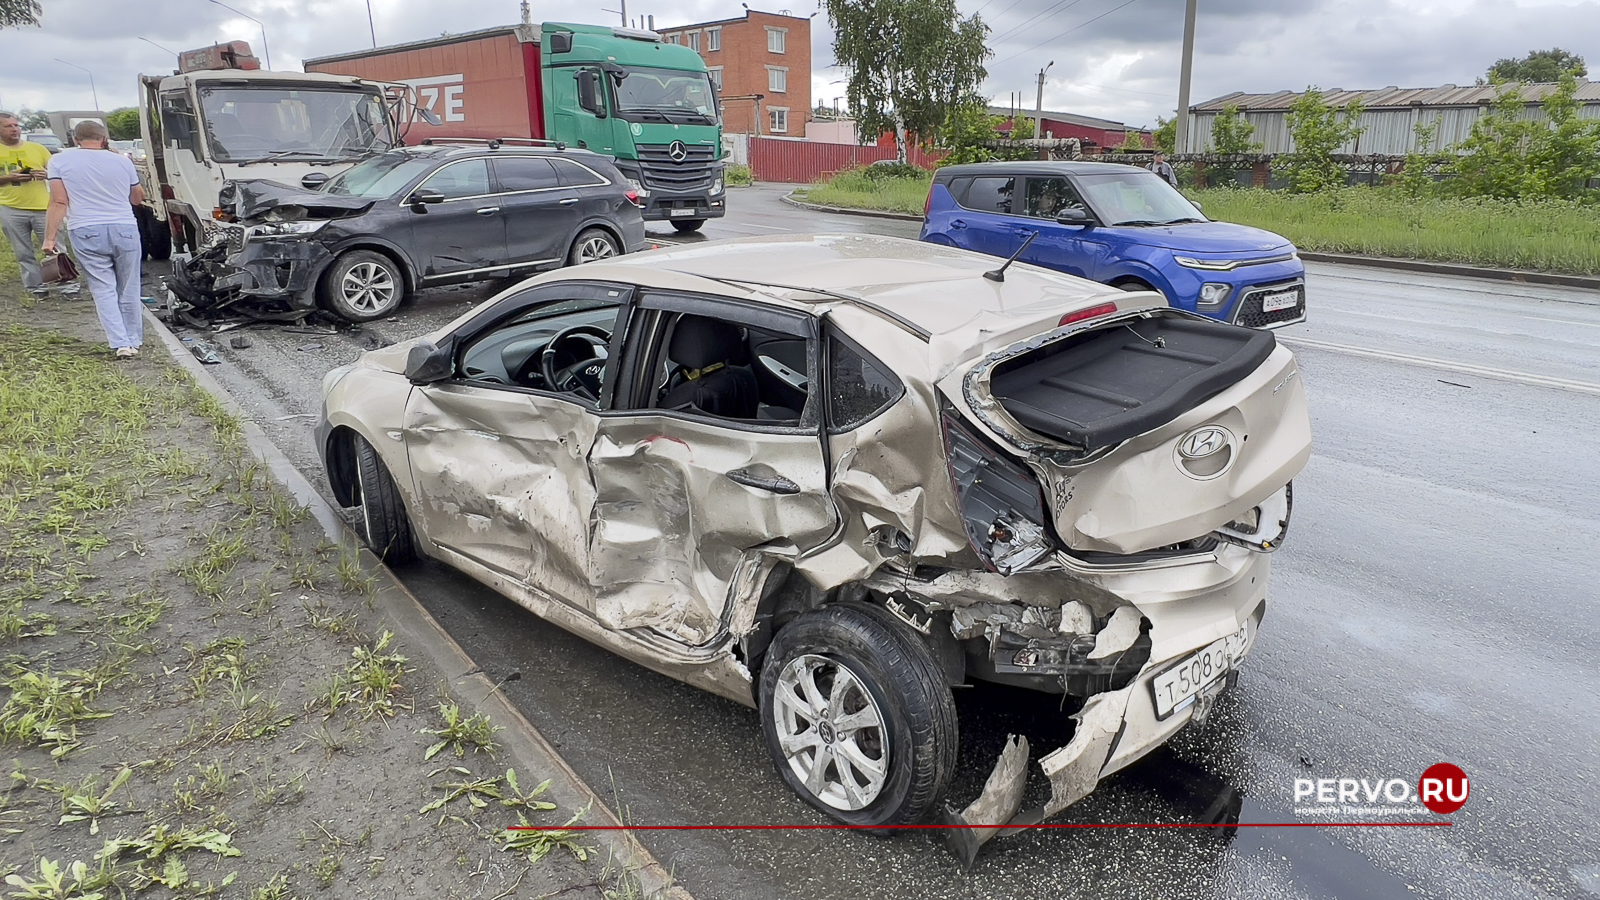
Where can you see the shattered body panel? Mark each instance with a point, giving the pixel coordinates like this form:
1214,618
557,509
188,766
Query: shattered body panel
685,544
252,199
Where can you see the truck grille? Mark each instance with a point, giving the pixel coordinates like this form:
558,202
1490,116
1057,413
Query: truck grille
1250,314
234,235
662,172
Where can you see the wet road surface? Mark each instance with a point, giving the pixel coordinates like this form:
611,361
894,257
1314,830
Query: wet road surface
1435,601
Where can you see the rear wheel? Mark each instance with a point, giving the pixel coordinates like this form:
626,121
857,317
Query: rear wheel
383,514
593,244
687,225
362,285
857,716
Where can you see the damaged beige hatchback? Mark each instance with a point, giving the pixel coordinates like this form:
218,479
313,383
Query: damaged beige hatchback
834,476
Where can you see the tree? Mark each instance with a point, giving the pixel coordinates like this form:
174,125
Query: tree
17,13
967,130
1166,134
1132,142
1510,156
33,119
909,62
1231,131
123,124
1317,130
1538,67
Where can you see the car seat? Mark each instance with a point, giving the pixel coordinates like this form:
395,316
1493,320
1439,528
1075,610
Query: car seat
709,377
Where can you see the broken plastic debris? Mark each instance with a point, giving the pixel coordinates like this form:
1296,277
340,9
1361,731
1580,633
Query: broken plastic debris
1076,618
304,347
240,342
995,807
205,352
1119,633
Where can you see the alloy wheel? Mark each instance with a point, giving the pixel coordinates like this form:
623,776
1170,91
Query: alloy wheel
832,732
596,248
368,287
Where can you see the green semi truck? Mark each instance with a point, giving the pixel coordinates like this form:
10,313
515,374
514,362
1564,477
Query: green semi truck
623,92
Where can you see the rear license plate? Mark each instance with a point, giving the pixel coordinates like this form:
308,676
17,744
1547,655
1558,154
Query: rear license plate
1280,300
680,212
1178,686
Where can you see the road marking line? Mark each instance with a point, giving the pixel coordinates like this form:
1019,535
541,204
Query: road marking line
754,225
1565,321
1565,384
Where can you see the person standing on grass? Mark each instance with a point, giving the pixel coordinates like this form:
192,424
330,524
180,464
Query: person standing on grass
95,191
1164,169
24,197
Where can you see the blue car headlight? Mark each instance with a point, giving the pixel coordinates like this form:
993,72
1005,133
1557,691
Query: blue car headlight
1213,295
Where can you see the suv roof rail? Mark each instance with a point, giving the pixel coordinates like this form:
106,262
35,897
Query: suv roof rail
494,143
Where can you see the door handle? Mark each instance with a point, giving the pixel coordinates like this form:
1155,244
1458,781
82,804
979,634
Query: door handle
488,210
569,201
776,484
958,223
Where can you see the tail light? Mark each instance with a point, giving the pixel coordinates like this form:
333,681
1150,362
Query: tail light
633,197
1001,505
1093,312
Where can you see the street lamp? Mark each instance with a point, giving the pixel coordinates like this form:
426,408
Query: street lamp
265,53
159,47
92,90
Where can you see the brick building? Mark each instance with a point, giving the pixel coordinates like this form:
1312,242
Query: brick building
761,65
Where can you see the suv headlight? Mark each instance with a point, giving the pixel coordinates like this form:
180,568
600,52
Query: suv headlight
283,229
716,186
1212,265
1213,295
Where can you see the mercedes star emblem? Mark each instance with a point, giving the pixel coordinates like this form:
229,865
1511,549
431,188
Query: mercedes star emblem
677,151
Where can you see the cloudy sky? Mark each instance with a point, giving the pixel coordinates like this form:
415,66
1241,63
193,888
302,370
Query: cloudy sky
1113,58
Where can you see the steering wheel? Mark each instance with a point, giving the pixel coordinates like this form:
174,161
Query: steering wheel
581,377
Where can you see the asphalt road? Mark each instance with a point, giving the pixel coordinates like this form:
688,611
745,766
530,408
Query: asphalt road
1435,601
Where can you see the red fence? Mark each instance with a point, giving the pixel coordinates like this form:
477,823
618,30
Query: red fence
798,161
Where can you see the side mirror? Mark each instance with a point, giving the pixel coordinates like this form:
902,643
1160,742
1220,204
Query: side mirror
423,196
428,362
589,93
313,181
1074,215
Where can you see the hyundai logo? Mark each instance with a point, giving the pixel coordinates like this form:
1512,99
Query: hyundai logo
677,151
1205,452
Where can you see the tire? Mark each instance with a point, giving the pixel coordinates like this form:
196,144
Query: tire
685,226
1135,286
869,668
592,245
383,513
159,246
361,286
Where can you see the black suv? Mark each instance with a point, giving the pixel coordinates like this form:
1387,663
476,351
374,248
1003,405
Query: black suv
409,218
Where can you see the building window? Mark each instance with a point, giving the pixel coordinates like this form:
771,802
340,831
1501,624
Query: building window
694,40
778,120
671,39
775,39
713,39
777,79
716,76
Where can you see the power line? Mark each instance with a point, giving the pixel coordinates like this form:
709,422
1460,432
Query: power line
1017,29
1064,33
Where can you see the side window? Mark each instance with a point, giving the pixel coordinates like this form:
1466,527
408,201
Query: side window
511,353
576,174
990,194
468,178
177,122
524,173
859,387
1047,197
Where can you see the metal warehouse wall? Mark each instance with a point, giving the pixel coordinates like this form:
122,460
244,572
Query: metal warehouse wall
1388,131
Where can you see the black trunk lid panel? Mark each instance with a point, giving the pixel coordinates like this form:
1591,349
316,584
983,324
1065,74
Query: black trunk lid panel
1100,388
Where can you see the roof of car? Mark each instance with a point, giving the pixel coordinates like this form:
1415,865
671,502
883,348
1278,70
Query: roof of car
446,150
1075,167
930,289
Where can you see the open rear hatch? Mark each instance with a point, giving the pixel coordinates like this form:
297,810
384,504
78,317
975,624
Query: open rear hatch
1149,430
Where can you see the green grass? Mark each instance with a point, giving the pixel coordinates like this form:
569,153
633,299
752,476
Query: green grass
738,176
853,190
1552,236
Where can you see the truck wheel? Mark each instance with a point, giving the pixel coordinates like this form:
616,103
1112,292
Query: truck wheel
858,717
159,242
361,286
593,244
687,225
383,514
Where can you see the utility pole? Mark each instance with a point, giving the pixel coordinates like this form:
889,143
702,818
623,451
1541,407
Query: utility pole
624,13
1038,107
1182,142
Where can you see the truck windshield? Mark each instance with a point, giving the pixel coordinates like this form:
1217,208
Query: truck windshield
668,94
378,177
266,122
1136,197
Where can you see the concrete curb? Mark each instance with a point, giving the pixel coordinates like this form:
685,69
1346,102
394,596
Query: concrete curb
1521,276
414,625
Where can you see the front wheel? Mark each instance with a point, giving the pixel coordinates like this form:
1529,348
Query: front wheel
362,285
685,226
593,244
383,514
857,716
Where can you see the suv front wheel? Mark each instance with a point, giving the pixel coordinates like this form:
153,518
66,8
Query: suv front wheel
362,285
857,716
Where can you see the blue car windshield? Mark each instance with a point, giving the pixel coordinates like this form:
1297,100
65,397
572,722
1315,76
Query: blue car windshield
1136,197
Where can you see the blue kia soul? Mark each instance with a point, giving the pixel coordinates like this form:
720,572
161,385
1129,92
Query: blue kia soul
1122,226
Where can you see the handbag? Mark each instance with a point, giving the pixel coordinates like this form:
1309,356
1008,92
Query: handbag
58,267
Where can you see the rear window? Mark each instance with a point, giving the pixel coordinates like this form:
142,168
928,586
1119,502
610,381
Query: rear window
859,387
524,173
575,174
990,193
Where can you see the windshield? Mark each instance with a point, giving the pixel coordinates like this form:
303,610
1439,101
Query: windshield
665,91
252,124
1136,198
378,177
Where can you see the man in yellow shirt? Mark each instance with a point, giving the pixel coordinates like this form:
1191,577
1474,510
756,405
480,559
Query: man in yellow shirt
24,197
